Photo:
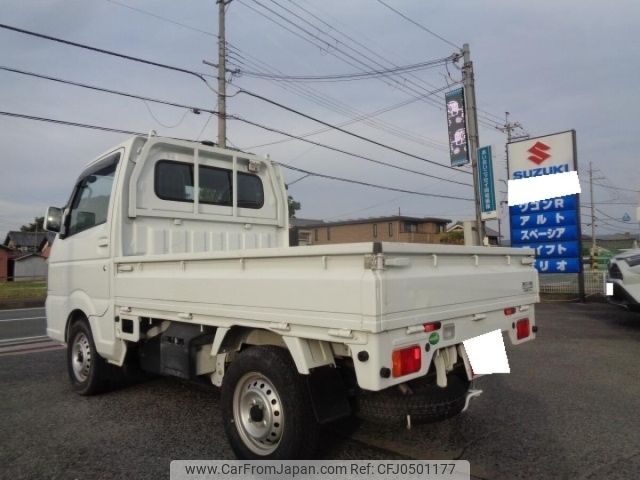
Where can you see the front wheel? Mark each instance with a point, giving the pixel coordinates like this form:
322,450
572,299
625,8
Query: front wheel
88,371
266,407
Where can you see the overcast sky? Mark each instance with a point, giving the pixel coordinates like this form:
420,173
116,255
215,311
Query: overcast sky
555,65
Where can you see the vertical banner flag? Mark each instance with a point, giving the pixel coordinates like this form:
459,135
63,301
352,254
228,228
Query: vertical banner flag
488,210
457,126
550,226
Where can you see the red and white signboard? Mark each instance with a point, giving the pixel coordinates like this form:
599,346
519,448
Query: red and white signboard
541,168
542,156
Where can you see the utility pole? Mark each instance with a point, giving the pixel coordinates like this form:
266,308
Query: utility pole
507,128
222,75
593,217
472,132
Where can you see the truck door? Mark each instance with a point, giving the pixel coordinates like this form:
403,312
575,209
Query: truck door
84,248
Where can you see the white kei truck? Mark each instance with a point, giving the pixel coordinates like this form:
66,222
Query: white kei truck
173,257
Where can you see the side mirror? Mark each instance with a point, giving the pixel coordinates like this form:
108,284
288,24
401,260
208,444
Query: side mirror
53,219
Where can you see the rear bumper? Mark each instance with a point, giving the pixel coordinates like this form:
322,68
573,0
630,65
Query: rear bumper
375,373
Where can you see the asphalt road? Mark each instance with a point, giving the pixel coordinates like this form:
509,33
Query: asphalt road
27,322
569,409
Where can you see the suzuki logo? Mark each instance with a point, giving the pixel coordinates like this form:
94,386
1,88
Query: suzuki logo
539,153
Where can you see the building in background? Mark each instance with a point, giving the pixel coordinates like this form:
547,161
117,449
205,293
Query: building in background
455,234
395,228
614,242
299,233
25,242
29,267
6,254
45,245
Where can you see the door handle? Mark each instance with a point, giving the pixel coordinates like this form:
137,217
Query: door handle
103,242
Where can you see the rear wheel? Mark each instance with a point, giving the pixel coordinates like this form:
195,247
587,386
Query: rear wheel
88,371
266,407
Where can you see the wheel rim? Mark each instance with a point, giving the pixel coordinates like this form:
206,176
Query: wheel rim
258,413
81,357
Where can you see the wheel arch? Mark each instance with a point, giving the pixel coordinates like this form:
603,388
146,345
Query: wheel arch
74,316
306,354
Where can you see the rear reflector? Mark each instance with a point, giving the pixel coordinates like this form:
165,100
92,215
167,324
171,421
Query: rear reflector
510,311
407,360
432,327
523,329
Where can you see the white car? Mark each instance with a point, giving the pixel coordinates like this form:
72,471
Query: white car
624,273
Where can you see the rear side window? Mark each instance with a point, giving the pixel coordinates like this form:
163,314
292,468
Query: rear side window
215,186
250,191
174,181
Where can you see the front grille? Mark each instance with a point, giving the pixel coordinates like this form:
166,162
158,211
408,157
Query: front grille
614,272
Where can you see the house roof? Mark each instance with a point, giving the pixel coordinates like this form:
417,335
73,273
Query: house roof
490,232
303,222
49,238
23,257
613,236
393,218
25,239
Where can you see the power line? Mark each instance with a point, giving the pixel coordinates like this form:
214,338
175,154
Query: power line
247,92
366,184
346,132
332,27
109,52
201,77
349,122
178,123
164,19
337,106
408,19
613,187
105,90
233,117
350,76
339,150
324,44
71,124
290,167
612,218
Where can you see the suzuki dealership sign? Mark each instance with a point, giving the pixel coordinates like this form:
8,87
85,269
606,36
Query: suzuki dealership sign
551,226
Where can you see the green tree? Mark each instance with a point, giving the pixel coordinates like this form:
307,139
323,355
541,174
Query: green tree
456,237
293,206
37,226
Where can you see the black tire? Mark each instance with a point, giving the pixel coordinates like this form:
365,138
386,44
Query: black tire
88,371
282,425
428,403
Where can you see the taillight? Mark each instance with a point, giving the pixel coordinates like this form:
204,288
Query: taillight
510,311
406,361
523,329
432,327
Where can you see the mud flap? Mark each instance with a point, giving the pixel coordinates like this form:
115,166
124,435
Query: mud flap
328,394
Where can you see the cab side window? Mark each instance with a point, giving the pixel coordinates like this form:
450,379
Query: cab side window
90,204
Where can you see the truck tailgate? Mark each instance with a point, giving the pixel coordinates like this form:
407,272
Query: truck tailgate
420,283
